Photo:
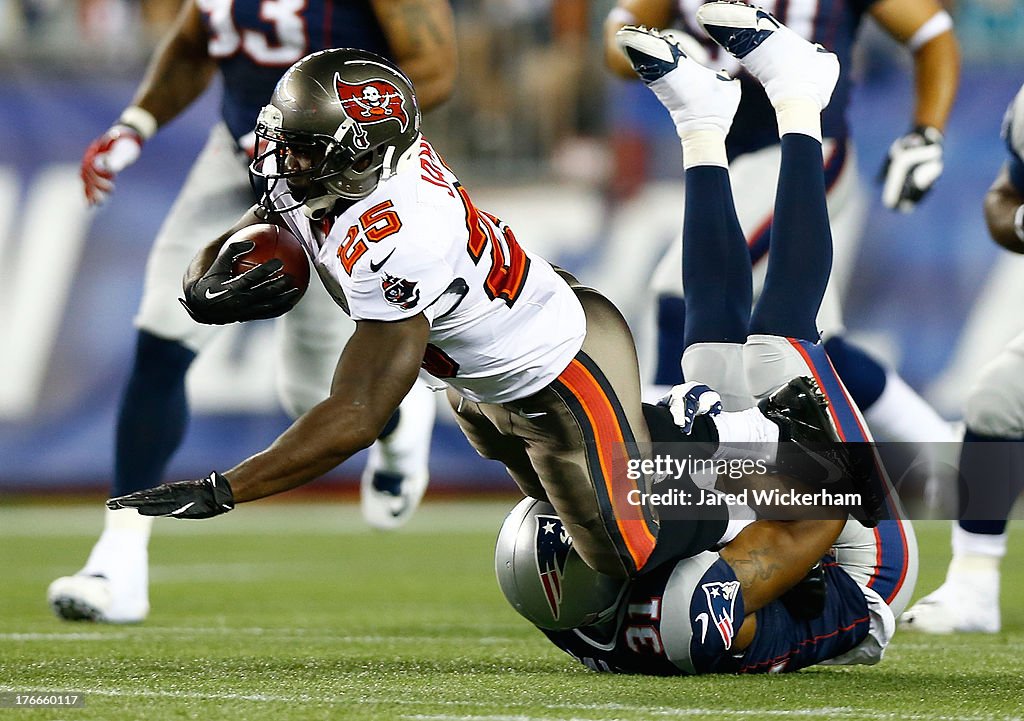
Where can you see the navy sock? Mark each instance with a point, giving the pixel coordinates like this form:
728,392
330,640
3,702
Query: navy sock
716,261
671,332
862,375
800,258
153,414
989,481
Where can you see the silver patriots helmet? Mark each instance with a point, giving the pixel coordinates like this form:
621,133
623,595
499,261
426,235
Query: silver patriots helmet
336,126
543,576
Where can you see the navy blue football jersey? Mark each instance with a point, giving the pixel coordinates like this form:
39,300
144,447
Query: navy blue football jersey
668,625
255,41
833,23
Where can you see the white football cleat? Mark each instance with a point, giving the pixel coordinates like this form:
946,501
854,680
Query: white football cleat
92,598
786,65
697,97
957,606
113,587
396,473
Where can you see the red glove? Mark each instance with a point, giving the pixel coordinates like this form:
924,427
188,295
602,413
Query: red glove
107,156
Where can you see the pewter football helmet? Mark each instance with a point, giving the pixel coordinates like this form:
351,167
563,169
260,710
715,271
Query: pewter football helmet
544,578
336,126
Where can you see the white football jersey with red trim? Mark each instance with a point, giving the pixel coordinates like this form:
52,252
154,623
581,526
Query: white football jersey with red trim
503,324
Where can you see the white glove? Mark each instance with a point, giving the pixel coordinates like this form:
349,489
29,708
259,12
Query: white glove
689,400
913,166
107,156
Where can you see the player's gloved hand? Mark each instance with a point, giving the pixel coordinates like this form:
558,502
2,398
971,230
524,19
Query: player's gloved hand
911,169
204,498
689,400
220,297
107,156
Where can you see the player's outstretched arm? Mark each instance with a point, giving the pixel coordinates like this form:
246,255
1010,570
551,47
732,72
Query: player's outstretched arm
421,34
179,72
180,69
914,162
376,370
1004,212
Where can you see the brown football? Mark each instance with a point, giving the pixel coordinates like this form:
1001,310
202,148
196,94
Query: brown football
273,241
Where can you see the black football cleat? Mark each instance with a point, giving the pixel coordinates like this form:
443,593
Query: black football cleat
811,450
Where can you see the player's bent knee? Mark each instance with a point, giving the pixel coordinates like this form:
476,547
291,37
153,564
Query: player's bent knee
995,405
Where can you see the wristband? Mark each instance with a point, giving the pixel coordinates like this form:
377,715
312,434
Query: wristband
140,119
934,26
929,133
1018,223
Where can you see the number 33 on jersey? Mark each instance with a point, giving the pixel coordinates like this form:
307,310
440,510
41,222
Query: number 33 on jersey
503,323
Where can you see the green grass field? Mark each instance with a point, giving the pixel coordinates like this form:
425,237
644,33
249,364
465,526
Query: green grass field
281,611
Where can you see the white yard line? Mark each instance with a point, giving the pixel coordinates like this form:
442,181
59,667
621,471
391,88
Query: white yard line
842,712
329,518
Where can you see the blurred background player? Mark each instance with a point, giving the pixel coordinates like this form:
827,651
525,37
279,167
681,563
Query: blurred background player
251,43
893,410
992,456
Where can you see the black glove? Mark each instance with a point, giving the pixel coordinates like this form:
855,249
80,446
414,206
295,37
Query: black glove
205,498
220,297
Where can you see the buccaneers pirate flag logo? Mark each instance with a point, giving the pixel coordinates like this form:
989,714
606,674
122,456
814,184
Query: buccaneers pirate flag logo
373,101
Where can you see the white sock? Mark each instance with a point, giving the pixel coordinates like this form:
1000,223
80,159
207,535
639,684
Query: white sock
984,549
720,366
900,414
124,541
799,115
746,434
703,147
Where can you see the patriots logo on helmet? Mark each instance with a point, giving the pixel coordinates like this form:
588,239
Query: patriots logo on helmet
721,596
553,546
373,101
400,292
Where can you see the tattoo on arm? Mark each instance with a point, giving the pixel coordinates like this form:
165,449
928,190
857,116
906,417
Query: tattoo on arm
758,567
419,26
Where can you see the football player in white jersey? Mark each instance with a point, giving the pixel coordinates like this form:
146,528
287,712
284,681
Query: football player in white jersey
542,373
249,43
991,458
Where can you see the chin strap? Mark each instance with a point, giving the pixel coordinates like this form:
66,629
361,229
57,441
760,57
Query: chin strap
386,171
320,206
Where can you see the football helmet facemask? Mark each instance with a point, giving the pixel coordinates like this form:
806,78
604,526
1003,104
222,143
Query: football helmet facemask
336,126
543,576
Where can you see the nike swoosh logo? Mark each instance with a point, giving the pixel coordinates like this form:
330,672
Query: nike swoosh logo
374,267
210,295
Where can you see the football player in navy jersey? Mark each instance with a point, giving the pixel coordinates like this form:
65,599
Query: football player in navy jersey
745,606
249,43
992,455
742,609
894,411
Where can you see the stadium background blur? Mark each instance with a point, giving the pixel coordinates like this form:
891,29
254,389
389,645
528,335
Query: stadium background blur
580,165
